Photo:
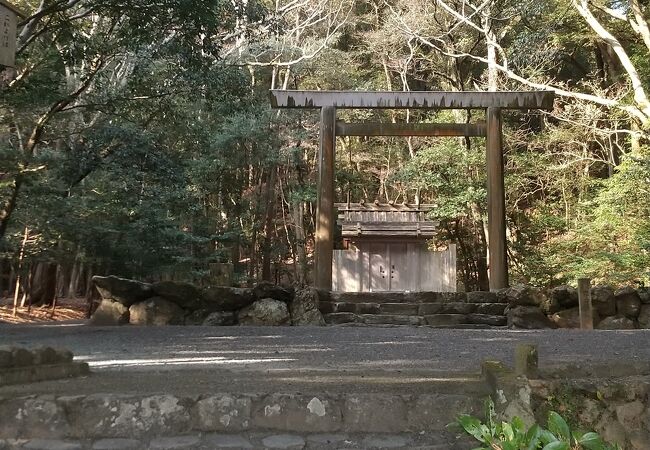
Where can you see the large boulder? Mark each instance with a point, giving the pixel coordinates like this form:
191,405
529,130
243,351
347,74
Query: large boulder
522,295
628,303
266,289
564,296
644,295
603,301
221,298
304,308
185,295
122,290
220,318
644,316
486,297
570,318
196,317
616,323
109,312
266,311
156,311
528,317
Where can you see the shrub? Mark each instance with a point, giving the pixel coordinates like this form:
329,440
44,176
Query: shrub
514,435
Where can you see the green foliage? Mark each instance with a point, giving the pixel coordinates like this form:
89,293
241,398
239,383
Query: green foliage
612,242
155,147
514,435
450,173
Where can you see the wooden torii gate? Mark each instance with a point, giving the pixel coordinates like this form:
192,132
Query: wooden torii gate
492,102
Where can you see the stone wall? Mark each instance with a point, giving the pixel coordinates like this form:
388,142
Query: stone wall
19,365
126,301
100,416
616,408
624,308
612,400
173,303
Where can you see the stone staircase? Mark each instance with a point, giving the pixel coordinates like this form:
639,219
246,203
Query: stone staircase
434,309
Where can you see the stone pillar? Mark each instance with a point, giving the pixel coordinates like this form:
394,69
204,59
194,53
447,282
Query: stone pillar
325,203
496,202
584,304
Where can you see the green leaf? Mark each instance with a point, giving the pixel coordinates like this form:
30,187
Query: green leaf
546,436
558,426
508,432
490,415
592,441
533,437
472,426
518,425
557,445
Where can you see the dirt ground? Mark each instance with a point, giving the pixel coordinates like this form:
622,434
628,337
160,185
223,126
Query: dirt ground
66,309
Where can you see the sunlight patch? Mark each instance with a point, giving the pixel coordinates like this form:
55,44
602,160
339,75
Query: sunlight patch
180,362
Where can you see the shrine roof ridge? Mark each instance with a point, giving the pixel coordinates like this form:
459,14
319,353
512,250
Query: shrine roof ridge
412,99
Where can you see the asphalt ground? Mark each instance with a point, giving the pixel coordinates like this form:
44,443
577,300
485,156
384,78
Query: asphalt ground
190,359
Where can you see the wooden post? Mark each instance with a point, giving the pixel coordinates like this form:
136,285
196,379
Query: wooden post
325,203
526,360
496,202
584,302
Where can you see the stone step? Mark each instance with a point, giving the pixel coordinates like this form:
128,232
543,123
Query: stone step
83,418
417,297
436,320
390,319
413,309
397,297
442,440
468,326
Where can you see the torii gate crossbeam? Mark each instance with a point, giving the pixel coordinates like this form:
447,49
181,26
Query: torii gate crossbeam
492,102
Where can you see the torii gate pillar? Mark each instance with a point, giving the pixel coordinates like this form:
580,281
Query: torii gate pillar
325,222
496,199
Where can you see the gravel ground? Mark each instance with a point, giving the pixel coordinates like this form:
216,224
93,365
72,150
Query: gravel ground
355,349
187,361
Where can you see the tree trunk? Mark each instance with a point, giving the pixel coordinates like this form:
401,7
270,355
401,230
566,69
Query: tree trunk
43,290
74,280
268,225
20,267
90,293
301,253
62,280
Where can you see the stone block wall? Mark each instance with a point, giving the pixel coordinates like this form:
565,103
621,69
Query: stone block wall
102,416
520,306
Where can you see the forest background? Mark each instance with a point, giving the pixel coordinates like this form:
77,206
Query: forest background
137,139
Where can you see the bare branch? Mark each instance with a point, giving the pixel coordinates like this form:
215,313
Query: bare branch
582,6
639,24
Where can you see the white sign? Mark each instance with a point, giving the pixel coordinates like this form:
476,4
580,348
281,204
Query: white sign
8,19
